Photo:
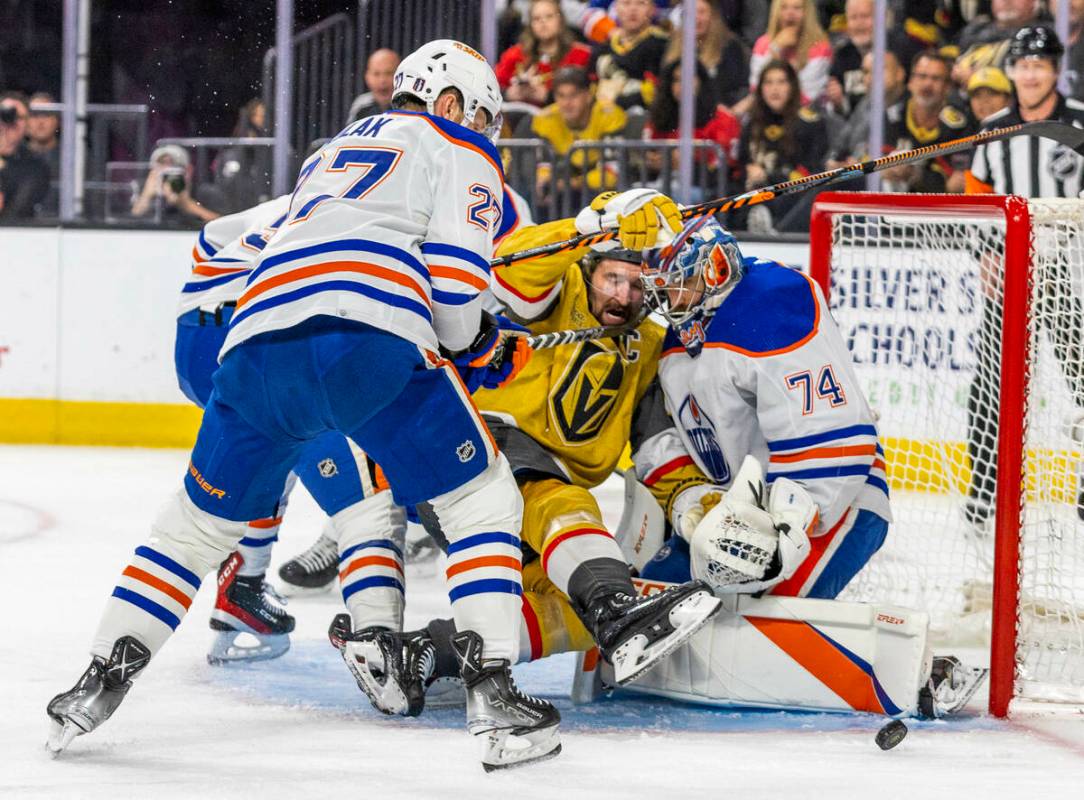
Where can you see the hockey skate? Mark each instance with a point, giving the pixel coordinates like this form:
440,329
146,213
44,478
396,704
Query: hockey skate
97,694
314,570
950,686
635,633
246,604
515,728
393,669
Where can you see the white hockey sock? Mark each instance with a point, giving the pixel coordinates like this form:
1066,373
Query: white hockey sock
371,535
481,521
255,546
157,587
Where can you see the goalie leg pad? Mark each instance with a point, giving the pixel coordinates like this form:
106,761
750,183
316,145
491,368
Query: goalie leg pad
790,653
836,557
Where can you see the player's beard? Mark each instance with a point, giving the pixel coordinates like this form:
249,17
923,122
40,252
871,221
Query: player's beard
614,312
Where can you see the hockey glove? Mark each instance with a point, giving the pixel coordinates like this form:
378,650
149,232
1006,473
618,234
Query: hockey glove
643,218
496,355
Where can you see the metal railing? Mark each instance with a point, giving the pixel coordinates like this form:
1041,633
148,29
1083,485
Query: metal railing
405,25
326,79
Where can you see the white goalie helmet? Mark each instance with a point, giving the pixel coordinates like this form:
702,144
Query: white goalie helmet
446,63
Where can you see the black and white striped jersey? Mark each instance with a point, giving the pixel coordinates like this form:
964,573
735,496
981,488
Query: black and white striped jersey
1026,165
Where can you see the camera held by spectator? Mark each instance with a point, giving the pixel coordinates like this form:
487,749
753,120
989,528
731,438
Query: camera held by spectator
168,189
24,176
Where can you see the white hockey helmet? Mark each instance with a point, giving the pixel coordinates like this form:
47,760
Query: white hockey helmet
446,63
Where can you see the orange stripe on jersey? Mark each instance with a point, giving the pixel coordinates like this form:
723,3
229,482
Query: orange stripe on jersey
826,452
196,256
203,269
165,588
766,353
270,522
802,642
461,143
360,267
370,561
509,562
878,464
461,275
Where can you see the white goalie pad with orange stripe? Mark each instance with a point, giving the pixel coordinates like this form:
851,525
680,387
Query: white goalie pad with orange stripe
790,653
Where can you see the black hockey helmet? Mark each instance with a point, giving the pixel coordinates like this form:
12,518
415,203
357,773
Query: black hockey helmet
1035,40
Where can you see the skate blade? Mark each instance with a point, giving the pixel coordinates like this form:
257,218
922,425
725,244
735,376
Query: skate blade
445,693
60,736
505,750
633,658
226,650
388,697
976,675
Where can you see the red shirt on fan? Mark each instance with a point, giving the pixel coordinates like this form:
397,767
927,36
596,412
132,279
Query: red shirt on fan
723,128
514,61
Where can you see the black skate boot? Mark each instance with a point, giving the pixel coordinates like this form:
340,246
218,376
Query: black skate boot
247,604
515,728
635,633
96,696
950,686
393,669
314,570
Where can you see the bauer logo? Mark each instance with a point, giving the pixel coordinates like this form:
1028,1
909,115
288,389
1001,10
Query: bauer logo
328,468
466,451
203,484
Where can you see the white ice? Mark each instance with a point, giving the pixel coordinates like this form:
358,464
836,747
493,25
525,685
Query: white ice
298,726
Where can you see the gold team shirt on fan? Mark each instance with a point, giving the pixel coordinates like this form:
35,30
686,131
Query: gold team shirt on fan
392,224
576,400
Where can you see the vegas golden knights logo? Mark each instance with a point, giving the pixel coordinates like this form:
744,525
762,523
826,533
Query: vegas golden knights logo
588,390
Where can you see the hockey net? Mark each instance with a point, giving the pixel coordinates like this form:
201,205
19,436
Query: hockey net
965,319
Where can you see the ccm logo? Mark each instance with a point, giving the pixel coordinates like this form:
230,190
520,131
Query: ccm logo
890,620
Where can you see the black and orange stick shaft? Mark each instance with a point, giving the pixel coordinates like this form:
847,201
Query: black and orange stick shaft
1061,132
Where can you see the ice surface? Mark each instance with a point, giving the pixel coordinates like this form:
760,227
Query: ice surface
298,726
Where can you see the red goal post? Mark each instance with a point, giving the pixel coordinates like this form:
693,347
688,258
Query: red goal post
900,262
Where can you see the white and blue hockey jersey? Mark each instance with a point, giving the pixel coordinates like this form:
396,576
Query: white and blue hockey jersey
775,381
392,223
225,251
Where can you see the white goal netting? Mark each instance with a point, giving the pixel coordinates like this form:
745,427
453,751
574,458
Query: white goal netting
919,299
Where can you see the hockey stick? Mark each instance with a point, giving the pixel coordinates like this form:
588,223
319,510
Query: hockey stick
1061,132
558,338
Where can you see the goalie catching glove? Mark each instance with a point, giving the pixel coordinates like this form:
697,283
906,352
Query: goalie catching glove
643,219
753,539
496,356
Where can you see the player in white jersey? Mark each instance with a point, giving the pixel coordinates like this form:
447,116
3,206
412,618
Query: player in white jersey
344,482
347,323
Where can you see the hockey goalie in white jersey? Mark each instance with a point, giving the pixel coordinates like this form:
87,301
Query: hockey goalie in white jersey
764,455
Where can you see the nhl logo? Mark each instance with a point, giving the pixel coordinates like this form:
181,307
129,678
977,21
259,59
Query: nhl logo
327,468
465,451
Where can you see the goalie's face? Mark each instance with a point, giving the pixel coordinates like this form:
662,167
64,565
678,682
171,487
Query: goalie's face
615,294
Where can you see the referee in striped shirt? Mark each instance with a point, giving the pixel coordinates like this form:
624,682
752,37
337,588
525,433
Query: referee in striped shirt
1030,167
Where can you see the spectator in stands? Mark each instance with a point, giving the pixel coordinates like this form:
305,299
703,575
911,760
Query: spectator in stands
1075,70
720,52
525,70
379,74
627,65
576,115
852,144
782,140
242,173
43,132
24,176
988,92
985,40
928,118
712,122
846,77
795,35
167,192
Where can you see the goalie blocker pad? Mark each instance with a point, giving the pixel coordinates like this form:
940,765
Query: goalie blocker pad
788,653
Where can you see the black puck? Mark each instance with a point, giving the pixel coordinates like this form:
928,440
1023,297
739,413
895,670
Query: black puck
891,734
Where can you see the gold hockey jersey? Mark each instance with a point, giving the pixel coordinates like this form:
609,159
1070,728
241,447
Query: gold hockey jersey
576,400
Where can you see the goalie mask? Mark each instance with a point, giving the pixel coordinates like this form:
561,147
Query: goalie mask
448,64
687,280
